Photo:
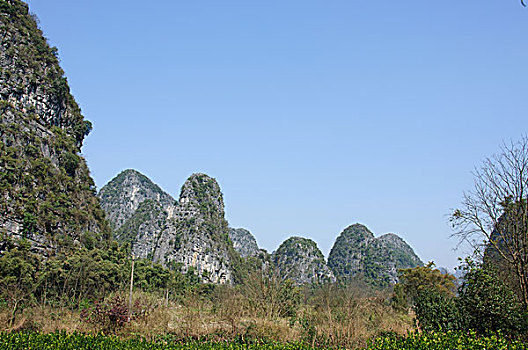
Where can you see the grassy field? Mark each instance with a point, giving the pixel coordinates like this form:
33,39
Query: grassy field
331,318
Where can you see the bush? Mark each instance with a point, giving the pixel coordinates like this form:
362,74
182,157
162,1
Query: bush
271,296
436,311
488,305
109,316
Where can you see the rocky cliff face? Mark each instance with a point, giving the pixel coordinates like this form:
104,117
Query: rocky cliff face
357,253
197,237
138,210
47,194
244,242
300,260
122,196
190,234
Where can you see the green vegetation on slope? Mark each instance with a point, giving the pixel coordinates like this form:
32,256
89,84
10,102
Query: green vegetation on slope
147,212
300,260
45,184
358,255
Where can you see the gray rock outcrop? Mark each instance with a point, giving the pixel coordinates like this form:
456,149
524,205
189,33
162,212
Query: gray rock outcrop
47,195
190,234
122,196
197,237
244,242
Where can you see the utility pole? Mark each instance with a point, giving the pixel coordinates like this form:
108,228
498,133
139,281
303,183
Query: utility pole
131,288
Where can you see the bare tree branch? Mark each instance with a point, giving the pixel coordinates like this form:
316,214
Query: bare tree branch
495,212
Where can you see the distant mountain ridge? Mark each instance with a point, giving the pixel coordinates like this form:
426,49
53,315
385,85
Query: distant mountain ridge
192,234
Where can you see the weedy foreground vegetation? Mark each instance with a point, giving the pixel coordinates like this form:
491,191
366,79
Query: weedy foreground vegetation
265,312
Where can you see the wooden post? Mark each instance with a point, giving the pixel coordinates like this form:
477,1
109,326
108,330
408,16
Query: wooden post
131,287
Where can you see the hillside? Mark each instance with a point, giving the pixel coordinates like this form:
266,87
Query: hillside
300,260
358,254
122,196
244,242
138,210
190,234
197,237
47,194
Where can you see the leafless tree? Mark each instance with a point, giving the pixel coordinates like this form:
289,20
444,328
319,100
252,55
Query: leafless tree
495,213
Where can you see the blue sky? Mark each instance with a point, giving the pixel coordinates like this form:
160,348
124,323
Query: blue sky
311,115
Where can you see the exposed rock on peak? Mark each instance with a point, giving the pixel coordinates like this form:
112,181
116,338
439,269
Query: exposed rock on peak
300,260
190,235
200,198
356,252
244,242
122,196
197,237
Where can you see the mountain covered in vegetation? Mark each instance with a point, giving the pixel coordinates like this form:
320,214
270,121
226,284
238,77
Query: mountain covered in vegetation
300,260
358,254
197,236
47,194
190,234
138,211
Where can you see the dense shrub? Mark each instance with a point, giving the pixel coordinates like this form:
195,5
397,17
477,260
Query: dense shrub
436,311
415,280
486,304
109,316
271,296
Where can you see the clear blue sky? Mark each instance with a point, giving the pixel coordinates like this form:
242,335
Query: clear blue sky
312,115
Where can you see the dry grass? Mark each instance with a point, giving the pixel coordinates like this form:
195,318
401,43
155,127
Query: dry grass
328,317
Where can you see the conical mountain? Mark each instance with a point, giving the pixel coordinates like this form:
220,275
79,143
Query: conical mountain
47,194
300,260
189,235
197,239
244,242
358,254
122,196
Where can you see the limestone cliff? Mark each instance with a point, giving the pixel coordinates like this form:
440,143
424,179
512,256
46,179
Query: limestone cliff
300,260
357,253
47,194
122,196
244,242
197,237
189,235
